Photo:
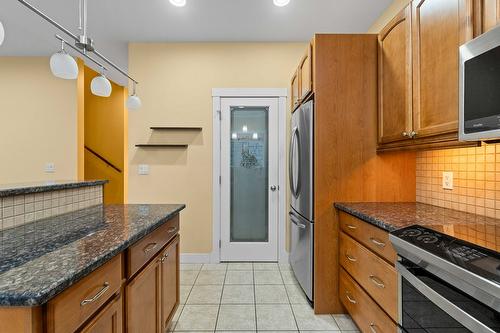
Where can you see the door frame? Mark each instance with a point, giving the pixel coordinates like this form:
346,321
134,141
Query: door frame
217,94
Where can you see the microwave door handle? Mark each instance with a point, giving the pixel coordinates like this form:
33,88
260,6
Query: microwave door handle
451,309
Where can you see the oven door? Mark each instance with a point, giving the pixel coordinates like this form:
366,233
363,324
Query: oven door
429,304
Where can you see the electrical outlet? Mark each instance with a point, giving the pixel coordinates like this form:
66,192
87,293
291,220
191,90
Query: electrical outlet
50,167
143,169
448,180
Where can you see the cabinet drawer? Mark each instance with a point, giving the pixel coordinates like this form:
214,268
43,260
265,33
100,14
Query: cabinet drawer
375,275
370,236
144,250
74,306
369,317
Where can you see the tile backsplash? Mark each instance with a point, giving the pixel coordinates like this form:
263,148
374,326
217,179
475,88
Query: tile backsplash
476,179
21,209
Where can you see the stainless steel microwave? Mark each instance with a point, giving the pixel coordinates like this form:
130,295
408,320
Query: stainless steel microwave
479,113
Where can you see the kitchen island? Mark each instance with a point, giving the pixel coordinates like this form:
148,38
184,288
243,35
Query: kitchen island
97,269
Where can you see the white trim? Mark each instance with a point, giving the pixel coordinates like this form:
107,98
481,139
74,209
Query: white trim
250,92
217,94
195,258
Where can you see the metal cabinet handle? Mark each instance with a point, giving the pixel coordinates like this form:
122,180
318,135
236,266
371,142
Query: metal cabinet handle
352,300
172,229
372,328
352,259
150,247
377,281
101,292
352,227
377,242
164,257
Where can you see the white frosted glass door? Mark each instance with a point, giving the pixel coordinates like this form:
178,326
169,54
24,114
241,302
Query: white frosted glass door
249,178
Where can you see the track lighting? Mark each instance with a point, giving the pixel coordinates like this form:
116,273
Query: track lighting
178,3
281,3
63,65
100,86
2,33
133,101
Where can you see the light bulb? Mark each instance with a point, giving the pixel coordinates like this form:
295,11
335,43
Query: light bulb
281,3
134,102
100,86
244,128
255,136
178,3
63,66
234,136
2,33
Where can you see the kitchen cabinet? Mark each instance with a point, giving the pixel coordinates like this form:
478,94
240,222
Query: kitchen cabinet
109,320
302,80
489,14
395,79
169,283
305,70
294,90
368,282
152,296
418,94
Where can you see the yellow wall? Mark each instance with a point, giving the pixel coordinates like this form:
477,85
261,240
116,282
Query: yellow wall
176,89
387,15
104,133
38,121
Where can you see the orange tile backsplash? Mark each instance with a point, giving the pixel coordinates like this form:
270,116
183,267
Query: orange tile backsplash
476,179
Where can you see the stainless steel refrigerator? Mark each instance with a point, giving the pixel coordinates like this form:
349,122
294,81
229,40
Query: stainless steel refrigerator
302,196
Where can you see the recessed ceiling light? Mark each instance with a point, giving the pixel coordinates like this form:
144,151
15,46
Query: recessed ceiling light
178,3
281,3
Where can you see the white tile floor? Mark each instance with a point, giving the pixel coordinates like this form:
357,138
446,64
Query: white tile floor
248,297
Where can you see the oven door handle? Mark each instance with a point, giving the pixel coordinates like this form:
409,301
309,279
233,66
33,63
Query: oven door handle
451,309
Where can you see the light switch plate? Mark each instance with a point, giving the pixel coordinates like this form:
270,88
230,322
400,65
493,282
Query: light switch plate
448,180
50,167
143,169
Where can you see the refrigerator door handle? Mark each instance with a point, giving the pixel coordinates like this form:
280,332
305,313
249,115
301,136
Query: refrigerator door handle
292,157
296,221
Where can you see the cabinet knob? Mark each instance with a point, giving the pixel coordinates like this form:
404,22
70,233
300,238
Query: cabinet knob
405,134
413,134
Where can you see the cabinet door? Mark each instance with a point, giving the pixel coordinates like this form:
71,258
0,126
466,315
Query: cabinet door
439,27
294,91
143,300
395,79
169,282
305,71
490,14
109,320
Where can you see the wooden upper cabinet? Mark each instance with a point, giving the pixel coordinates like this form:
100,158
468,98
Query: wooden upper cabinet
395,80
439,27
294,90
305,72
490,14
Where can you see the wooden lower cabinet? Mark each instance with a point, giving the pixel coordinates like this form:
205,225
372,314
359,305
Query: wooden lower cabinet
369,317
169,283
152,295
109,320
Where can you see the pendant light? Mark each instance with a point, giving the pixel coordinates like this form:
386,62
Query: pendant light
133,101
178,3
100,86
281,3
2,33
63,65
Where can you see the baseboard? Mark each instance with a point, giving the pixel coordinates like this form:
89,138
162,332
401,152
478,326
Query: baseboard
195,258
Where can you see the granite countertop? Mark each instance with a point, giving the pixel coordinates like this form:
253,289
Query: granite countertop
43,258
7,190
480,230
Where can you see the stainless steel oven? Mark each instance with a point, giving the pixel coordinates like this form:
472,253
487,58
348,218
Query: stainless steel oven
446,285
479,113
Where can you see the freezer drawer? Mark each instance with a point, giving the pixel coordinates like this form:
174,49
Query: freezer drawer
301,256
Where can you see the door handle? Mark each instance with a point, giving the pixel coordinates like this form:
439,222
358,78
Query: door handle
273,188
377,242
295,221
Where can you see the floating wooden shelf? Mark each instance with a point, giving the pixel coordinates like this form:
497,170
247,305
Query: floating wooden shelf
175,128
160,145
